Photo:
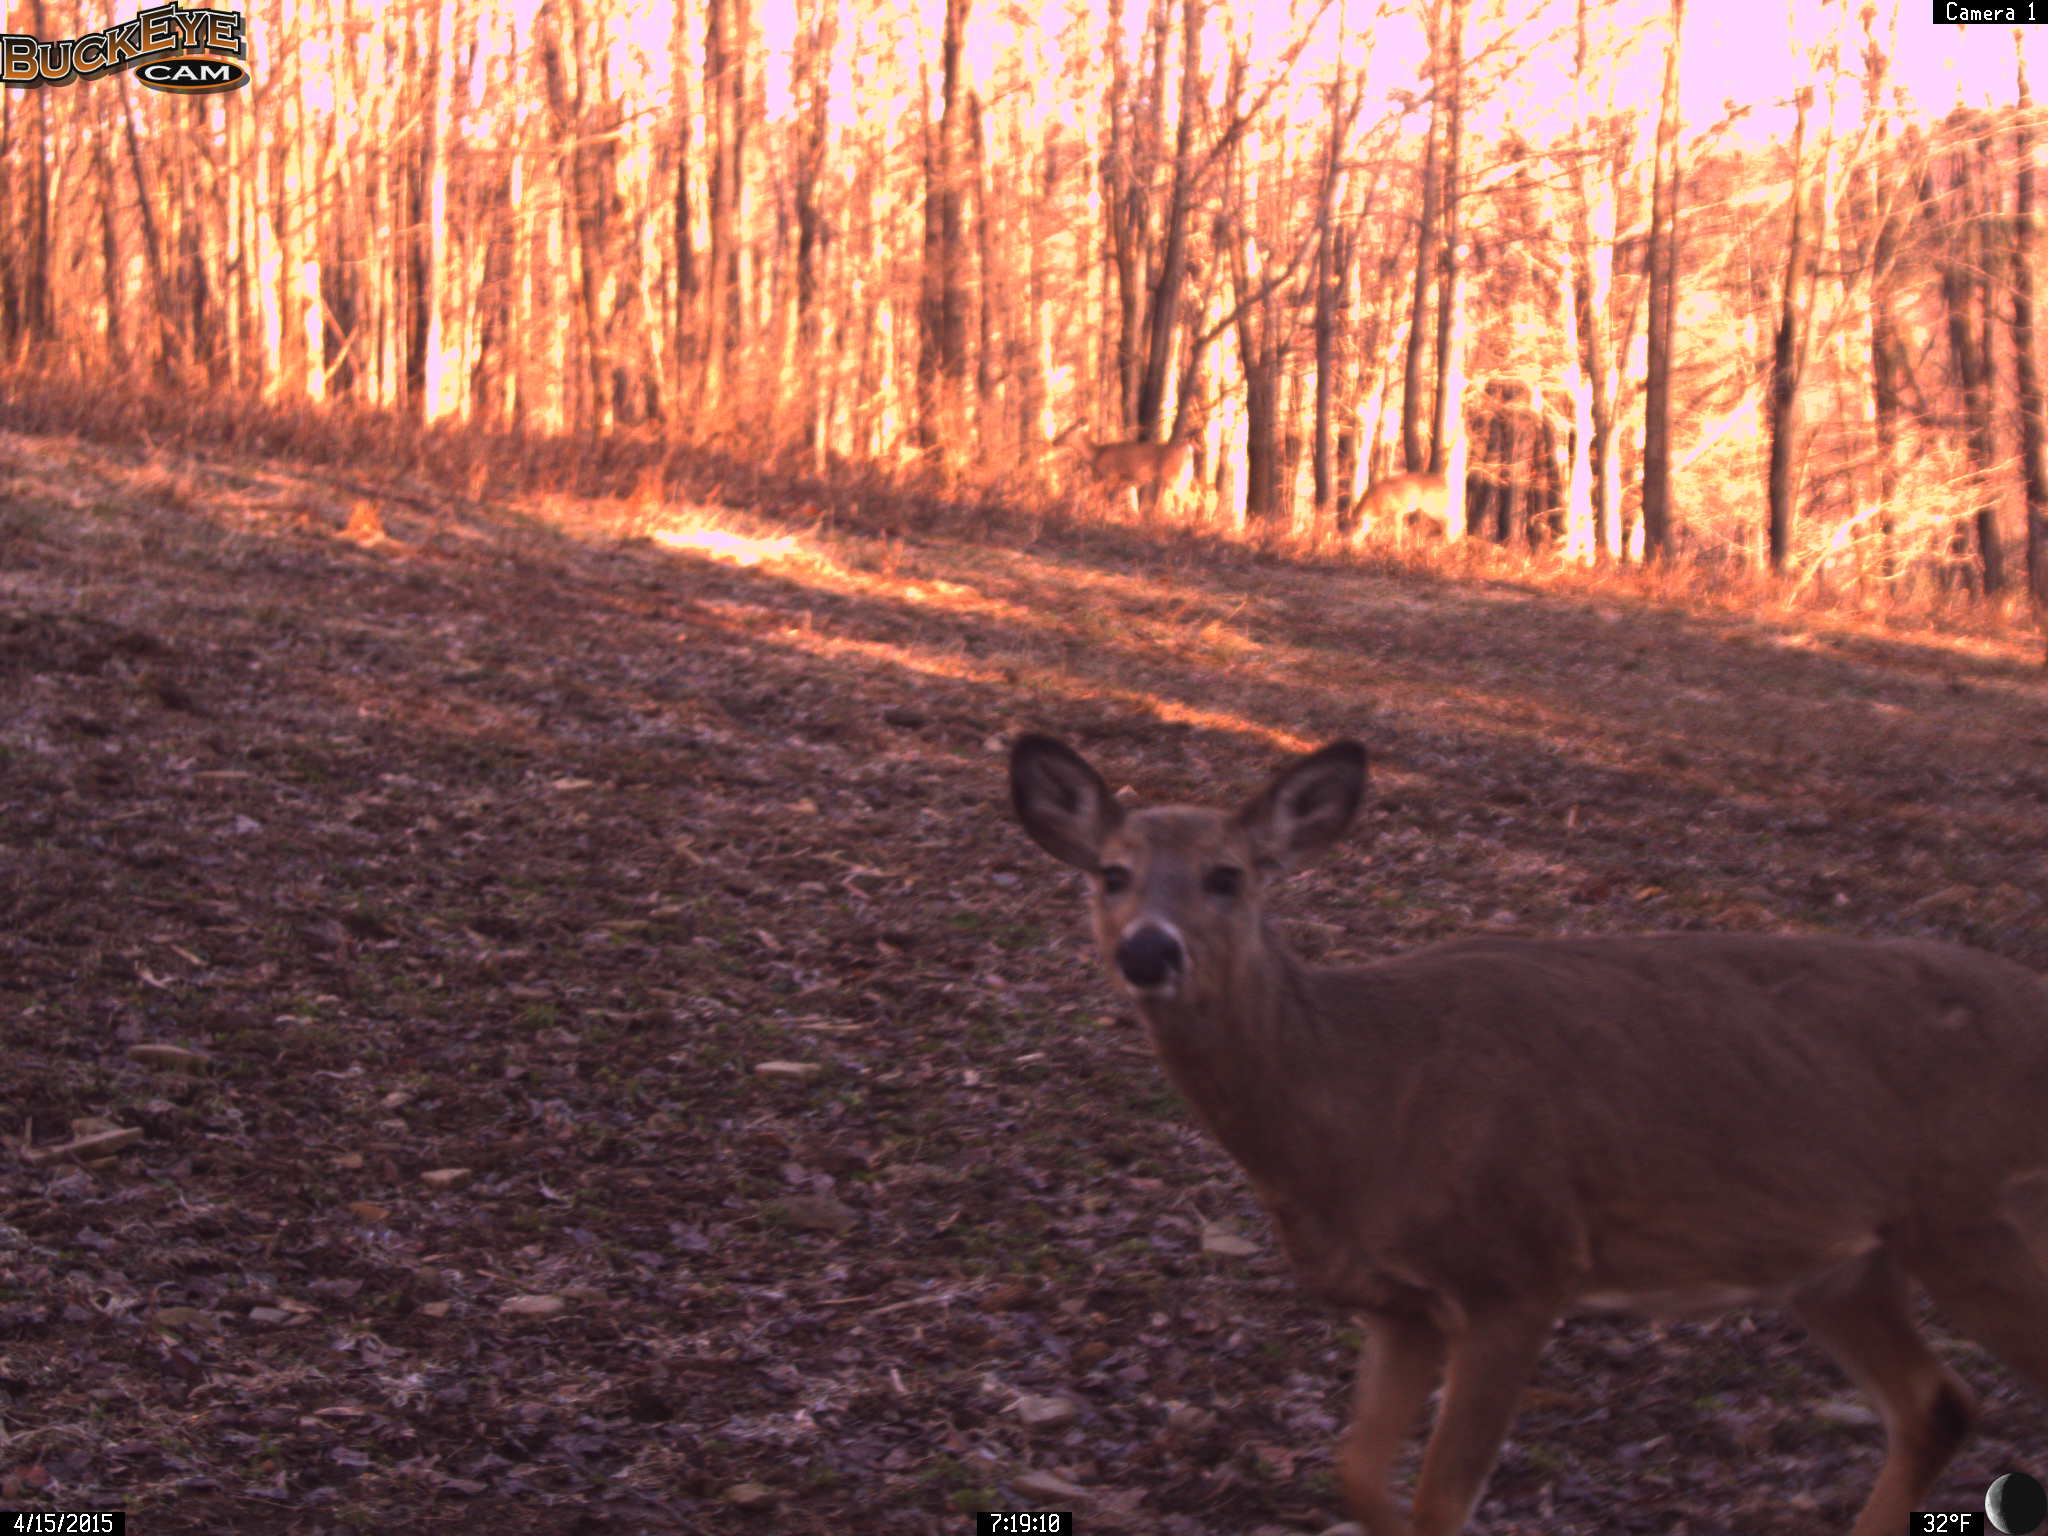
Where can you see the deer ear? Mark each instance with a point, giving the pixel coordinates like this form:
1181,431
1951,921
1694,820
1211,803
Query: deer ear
1307,806
1062,802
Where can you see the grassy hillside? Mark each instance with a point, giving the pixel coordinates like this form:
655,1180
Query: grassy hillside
648,1085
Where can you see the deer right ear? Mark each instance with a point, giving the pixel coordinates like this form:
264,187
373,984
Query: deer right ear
1062,802
1307,806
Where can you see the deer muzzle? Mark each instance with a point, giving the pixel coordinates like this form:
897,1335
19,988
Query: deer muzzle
1150,958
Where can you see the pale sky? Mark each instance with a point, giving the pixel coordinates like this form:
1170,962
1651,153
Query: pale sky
1743,52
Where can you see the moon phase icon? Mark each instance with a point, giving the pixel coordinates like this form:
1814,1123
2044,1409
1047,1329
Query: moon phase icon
2016,1504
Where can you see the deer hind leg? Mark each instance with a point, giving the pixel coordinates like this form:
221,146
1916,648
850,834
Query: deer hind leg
1402,1358
1863,1317
1991,1281
1490,1361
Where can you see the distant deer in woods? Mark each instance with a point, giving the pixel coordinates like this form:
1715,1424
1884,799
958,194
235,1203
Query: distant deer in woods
1138,466
1465,1143
1405,507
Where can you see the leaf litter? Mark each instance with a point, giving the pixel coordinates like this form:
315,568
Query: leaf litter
603,1060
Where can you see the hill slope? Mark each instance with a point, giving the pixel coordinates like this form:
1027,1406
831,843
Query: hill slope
650,1085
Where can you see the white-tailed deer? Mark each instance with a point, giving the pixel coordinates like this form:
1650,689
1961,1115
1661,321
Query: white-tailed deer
1140,465
1406,507
1465,1143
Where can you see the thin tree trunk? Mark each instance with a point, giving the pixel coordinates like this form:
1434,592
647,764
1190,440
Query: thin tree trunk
1415,457
1164,310
443,396
1123,212
2033,428
1580,538
34,282
1788,344
1663,264
811,68
1449,448
942,310
1332,280
1983,424
725,56
1964,298
1886,354
686,317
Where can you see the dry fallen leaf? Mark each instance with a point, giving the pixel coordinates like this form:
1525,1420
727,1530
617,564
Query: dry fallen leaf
532,1306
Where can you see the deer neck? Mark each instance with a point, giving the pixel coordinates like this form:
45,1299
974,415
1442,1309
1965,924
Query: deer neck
1295,1086
1238,1056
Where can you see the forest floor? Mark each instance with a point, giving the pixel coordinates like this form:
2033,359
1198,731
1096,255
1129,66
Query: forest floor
647,1083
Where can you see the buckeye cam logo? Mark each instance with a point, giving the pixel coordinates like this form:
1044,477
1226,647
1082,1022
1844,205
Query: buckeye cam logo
198,76
186,51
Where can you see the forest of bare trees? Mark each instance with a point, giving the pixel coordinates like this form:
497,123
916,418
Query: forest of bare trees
1483,246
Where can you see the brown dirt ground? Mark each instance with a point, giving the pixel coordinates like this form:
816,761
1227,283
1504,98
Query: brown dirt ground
516,842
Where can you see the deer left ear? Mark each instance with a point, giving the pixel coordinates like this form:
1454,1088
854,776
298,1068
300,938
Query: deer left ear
1062,802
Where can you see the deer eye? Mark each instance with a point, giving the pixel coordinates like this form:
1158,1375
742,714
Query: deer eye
1225,880
1115,879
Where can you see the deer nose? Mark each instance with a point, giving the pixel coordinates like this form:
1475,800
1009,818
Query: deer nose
1148,956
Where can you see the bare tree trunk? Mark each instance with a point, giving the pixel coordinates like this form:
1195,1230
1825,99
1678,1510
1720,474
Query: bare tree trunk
169,350
1332,291
1414,456
191,286
304,200
1990,233
1262,453
1260,348
942,309
1592,514
443,396
686,315
1580,537
1329,286
1163,313
32,235
726,116
1036,326
521,322
1347,360
987,420
1663,265
585,118
1788,345
15,167
1966,301
1886,352
811,79
1126,198
2033,427
1511,496
1449,449
110,254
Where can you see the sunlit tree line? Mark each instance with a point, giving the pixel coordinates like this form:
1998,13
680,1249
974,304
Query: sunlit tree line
1304,255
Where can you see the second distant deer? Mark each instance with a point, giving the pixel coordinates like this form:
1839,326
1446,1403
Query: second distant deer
1150,469
1406,508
